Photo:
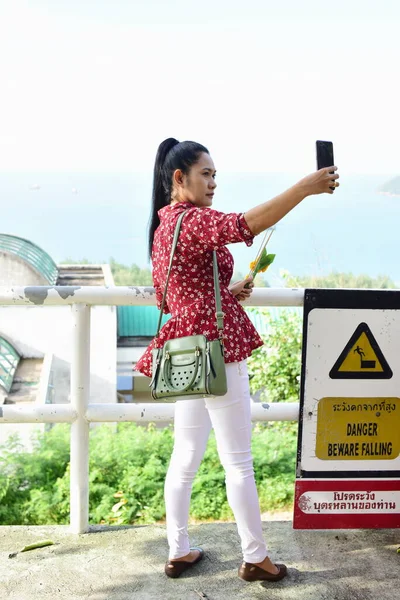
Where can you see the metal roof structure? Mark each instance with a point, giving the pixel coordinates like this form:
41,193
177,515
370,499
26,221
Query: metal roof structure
31,254
141,321
138,321
9,359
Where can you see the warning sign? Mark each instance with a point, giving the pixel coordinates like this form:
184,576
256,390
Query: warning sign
358,429
362,358
348,455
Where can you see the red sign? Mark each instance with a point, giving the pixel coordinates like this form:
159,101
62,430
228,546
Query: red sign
346,504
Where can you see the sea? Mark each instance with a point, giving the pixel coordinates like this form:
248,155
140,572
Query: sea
98,216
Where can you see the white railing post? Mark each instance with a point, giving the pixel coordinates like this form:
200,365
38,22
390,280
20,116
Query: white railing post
80,392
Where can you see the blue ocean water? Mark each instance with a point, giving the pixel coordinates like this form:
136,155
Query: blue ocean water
102,215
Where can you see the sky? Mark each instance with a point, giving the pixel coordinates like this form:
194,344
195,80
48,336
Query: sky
95,86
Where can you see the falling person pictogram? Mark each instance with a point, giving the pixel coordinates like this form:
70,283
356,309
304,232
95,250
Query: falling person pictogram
365,364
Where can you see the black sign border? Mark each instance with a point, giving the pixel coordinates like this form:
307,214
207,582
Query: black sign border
351,299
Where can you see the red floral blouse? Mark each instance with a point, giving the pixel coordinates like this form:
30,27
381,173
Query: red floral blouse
190,295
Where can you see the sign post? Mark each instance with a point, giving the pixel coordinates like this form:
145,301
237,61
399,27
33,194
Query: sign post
348,463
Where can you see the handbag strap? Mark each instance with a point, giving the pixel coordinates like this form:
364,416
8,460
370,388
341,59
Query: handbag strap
219,315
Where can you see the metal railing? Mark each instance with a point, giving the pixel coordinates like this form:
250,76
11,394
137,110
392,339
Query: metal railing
79,413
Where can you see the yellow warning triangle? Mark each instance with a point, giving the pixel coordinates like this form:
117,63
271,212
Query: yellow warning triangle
361,358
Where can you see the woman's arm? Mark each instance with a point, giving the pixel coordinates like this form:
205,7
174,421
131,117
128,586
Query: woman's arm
267,214
209,229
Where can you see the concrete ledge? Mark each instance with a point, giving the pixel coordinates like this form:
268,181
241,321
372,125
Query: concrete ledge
121,563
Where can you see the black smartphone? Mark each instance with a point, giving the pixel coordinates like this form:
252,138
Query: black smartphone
325,155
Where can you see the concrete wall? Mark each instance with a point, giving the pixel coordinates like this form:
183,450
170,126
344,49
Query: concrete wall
15,271
40,330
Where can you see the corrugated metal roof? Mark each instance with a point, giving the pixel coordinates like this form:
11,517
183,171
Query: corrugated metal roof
138,321
141,321
32,254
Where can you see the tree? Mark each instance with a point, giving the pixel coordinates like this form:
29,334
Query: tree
339,280
133,275
71,261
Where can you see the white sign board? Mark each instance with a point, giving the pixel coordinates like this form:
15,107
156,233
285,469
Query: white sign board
348,463
365,408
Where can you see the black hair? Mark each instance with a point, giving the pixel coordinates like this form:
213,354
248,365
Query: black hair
171,155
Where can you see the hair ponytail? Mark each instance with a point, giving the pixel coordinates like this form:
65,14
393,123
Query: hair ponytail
171,155
160,196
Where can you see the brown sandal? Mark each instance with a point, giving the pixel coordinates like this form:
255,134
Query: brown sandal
174,568
250,572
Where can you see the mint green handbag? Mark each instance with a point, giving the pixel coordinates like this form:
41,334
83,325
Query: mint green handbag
190,367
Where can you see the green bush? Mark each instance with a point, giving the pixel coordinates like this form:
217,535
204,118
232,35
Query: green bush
275,367
29,482
128,463
127,468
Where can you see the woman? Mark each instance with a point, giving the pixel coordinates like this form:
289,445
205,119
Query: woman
184,180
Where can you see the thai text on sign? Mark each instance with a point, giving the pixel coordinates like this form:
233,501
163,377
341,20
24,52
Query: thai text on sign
385,502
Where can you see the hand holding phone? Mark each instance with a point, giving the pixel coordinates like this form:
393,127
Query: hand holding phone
325,156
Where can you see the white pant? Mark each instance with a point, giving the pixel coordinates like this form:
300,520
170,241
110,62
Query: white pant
230,417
